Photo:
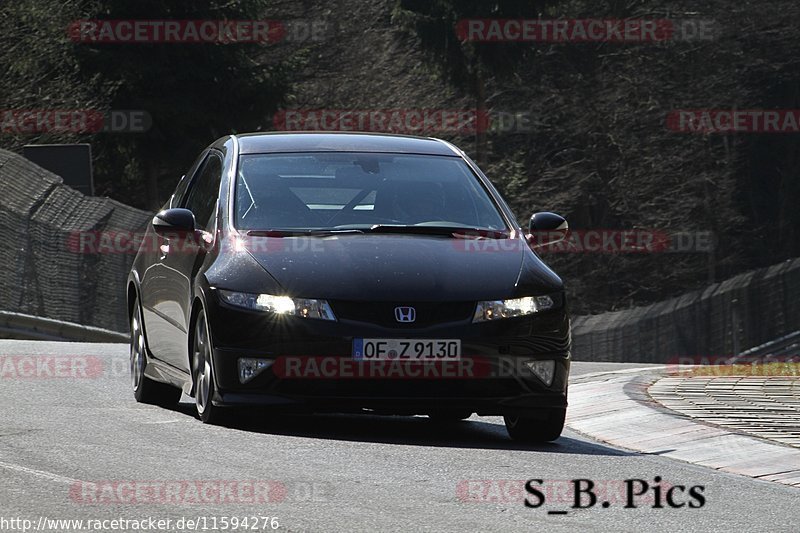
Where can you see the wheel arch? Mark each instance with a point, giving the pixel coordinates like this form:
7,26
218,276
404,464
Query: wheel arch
133,294
197,306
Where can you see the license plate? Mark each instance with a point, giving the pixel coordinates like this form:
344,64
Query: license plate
407,349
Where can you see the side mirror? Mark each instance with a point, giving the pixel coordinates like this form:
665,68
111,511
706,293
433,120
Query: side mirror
174,222
546,228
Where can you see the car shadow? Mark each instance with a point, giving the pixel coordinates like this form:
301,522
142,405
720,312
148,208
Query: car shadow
404,430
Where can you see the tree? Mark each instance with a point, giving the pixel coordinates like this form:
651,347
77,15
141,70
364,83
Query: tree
599,150
195,92
467,64
41,71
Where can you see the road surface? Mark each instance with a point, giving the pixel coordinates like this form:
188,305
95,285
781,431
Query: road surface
78,447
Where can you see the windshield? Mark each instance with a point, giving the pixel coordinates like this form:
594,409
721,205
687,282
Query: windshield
329,191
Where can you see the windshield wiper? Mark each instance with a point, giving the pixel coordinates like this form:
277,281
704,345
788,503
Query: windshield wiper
301,232
438,230
407,229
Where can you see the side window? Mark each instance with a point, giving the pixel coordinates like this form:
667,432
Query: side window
180,191
204,192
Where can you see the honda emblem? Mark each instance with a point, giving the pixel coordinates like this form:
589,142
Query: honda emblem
405,314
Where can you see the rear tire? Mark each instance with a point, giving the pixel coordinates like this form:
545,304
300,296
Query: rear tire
536,431
203,371
146,390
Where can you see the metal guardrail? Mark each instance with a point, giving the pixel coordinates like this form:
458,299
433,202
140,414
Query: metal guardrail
786,346
55,264
723,320
22,326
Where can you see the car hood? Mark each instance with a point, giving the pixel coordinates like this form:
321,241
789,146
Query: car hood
402,267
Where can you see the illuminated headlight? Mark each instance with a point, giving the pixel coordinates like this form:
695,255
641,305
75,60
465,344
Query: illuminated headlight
250,368
281,305
497,309
544,370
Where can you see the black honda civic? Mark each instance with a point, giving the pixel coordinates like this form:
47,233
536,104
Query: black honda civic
349,272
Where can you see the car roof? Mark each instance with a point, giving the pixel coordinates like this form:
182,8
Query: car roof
263,143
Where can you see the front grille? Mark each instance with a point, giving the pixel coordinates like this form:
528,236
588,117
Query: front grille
382,313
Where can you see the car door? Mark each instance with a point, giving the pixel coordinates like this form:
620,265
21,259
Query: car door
169,279
151,283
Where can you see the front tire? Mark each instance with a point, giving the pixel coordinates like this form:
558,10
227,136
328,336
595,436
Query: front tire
532,430
146,390
203,369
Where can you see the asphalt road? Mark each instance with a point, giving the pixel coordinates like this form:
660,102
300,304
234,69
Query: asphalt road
81,448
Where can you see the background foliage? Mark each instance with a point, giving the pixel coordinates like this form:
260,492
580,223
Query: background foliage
598,152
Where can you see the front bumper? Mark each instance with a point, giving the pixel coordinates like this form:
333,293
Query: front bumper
491,380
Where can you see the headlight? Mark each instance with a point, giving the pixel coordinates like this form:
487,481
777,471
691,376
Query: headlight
281,305
497,309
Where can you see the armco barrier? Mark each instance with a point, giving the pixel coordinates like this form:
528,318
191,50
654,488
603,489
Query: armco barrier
21,326
41,276
725,319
